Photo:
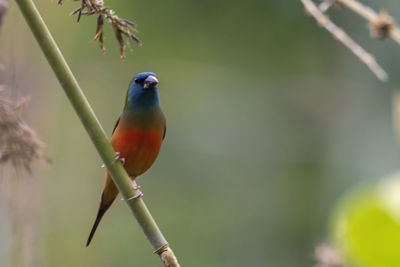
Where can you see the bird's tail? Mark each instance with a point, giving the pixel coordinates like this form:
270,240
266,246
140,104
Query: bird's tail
108,196
99,216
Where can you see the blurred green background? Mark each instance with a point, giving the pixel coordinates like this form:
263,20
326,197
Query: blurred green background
270,121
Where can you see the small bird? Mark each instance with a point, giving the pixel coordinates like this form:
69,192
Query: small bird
136,138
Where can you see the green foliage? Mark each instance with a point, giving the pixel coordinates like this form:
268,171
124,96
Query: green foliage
367,225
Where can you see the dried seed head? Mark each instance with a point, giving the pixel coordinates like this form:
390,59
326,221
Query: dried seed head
118,35
99,32
19,144
121,26
381,27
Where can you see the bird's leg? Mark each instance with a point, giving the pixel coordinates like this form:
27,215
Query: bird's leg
118,157
137,188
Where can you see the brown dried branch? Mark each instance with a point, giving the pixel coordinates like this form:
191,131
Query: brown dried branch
341,36
381,24
19,144
327,4
122,27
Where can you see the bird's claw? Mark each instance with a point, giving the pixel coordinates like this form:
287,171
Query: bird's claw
137,195
118,157
137,188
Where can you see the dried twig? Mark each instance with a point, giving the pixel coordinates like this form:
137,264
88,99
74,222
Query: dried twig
341,35
325,5
381,24
121,26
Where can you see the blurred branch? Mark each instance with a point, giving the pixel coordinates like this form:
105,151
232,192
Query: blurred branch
396,114
3,10
95,131
121,26
325,5
341,36
328,256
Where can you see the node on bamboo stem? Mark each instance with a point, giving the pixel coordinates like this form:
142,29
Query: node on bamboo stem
167,256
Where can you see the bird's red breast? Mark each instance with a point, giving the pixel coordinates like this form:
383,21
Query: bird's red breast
139,147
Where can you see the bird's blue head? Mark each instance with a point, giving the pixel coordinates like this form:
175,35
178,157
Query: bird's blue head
143,92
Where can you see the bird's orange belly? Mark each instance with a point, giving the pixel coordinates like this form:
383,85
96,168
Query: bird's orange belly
140,149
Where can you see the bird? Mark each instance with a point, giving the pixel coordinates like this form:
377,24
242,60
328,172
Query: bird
136,138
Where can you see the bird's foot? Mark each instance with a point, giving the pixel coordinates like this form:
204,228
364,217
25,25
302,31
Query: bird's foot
118,157
137,188
137,195
135,185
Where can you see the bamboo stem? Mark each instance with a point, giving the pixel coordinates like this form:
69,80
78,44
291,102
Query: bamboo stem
95,131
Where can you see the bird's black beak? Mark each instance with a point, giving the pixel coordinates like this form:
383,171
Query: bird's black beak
150,82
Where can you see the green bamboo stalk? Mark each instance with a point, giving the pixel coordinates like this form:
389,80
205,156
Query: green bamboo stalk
95,131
